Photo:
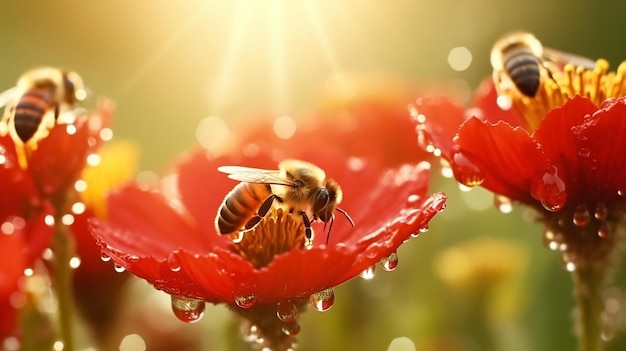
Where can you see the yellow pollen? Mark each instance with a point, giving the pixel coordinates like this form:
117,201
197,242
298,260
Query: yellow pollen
278,232
556,87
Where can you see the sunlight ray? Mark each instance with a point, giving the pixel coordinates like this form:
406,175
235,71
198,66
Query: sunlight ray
277,63
225,71
158,55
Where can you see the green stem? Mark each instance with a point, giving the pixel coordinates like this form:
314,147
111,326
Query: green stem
588,283
62,247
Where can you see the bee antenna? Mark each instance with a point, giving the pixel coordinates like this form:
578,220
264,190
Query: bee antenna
330,227
343,212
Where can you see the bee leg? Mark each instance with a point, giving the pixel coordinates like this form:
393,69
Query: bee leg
262,211
308,231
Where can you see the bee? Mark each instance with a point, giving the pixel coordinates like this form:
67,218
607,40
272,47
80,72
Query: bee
35,103
520,62
299,187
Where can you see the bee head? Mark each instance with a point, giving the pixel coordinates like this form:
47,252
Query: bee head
325,201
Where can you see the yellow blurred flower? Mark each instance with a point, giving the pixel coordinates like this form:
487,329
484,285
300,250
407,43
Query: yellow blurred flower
117,165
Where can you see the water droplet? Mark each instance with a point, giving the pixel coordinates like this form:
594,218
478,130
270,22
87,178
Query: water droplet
584,152
466,172
173,262
621,192
104,257
75,262
286,311
581,216
601,212
118,268
604,229
503,203
292,328
245,301
368,273
390,262
424,229
323,300
550,189
187,310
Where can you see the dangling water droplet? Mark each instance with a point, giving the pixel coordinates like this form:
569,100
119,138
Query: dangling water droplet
286,311
173,262
550,189
466,172
323,300
188,310
424,229
604,230
368,273
503,203
245,301
292,328
104,257
390,262
581,216
601,211
118,268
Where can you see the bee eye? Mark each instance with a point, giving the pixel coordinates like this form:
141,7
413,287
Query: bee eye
321,200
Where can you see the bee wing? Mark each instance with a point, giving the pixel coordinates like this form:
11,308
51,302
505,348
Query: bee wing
8,96
254,175
563,58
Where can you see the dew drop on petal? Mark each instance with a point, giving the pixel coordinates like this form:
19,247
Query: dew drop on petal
173,262
286,311
187,310
581,216
601,212
368,273
292,328
390,262
104,257
503,203
323,300
604,230
118,268
245,301
466,172
550,190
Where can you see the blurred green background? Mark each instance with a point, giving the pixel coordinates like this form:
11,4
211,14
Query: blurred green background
170,64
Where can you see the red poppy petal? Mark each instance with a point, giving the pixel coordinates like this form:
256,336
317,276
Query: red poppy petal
60,157
152,230
506,158
486,106
11,269
438,121
605,165
559,144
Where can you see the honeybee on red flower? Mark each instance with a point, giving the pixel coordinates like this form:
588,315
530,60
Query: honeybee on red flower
520,62
297,186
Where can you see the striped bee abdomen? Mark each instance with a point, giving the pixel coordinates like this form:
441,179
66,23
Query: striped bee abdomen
523,67
29,112
241,206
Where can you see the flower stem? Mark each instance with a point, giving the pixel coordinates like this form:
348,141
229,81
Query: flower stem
588,283
62,247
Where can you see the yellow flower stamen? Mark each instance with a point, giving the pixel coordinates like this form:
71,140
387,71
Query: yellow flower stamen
278,232
556,87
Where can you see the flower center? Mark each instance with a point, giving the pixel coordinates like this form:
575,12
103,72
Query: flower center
597,84
277,233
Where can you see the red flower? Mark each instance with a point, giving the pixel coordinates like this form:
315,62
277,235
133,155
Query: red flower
358,115
172,242
559,163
